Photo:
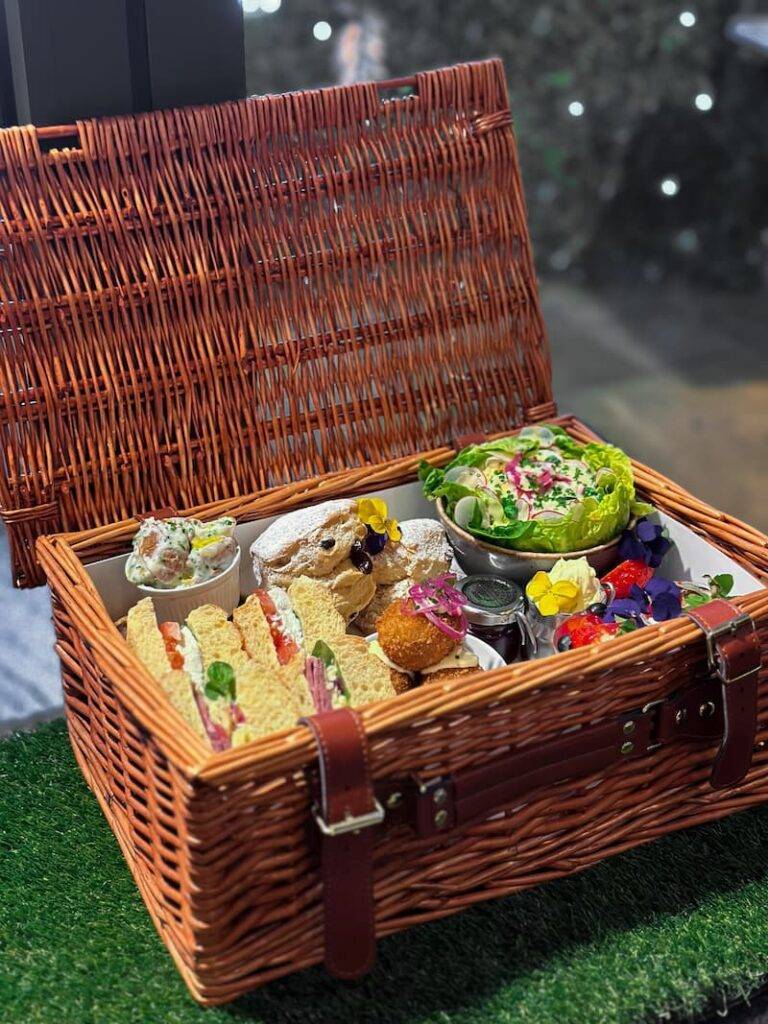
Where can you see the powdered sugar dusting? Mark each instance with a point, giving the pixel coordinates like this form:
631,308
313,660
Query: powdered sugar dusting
295,528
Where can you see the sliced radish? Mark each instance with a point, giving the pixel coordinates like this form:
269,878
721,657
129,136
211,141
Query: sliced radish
494,465
543,435
493,510
464,511
523,509
466,476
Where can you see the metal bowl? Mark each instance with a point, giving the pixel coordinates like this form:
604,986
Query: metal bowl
477,556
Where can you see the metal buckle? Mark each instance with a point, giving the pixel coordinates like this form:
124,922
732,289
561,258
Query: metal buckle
713,635
351,823
647,709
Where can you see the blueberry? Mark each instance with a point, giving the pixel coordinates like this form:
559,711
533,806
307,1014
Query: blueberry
565,643
327,543
597,609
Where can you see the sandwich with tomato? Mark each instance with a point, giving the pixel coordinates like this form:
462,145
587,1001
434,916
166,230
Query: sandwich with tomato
281,656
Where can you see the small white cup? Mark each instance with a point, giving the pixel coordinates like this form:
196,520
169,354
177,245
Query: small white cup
175,605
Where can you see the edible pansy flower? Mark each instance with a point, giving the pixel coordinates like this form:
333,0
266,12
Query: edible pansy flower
626,610
552,598
646,543
373,513
659,599
663,597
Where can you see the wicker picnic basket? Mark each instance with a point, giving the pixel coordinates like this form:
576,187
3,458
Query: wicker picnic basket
260,305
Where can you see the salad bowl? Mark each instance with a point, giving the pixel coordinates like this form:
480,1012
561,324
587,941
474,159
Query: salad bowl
478,556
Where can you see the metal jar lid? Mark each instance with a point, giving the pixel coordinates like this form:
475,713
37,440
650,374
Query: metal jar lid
491,600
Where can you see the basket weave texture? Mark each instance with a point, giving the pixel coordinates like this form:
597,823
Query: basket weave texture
246,309
205,302
222,845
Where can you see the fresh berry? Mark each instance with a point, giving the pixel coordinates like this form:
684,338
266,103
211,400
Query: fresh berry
626,574
597,609
583,629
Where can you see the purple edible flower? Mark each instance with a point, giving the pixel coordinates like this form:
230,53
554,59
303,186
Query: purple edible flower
661,599
664,597
646,543
626,608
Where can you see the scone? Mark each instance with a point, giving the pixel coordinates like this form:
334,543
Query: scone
422,553
316,542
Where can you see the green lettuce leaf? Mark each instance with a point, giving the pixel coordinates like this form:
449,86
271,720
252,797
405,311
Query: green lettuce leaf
595,520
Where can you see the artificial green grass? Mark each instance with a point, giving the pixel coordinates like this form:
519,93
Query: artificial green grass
671,929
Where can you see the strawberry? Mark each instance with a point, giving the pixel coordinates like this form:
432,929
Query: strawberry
582,629
619,581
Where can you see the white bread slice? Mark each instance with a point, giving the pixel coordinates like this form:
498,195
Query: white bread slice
219,639
313,603
367,678
252,624
265,699
145,639
178,687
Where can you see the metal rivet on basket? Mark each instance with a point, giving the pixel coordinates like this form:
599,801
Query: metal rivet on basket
707,709
681,715
441,819
628,747
629,727
394,800
440,795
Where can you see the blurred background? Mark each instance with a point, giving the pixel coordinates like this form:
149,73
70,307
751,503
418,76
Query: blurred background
643,138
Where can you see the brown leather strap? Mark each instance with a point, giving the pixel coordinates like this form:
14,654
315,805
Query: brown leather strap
438,805
345,811
733,648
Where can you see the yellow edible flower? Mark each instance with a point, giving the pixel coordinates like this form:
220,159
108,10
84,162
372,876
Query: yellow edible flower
373,512
552,598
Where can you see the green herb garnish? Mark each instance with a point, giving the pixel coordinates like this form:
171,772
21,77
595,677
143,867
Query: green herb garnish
220,681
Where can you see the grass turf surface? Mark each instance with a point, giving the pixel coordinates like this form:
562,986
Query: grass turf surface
668,930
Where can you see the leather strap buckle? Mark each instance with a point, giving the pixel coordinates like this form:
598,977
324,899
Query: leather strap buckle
712,634
345,812
734,658
350,823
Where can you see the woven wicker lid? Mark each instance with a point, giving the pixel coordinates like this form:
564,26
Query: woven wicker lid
200,303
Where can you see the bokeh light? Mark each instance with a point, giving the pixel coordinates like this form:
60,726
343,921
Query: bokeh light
321,30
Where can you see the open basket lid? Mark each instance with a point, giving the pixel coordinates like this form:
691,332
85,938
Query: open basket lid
200,303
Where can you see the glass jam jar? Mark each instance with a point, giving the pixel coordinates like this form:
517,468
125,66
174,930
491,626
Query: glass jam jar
495,611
